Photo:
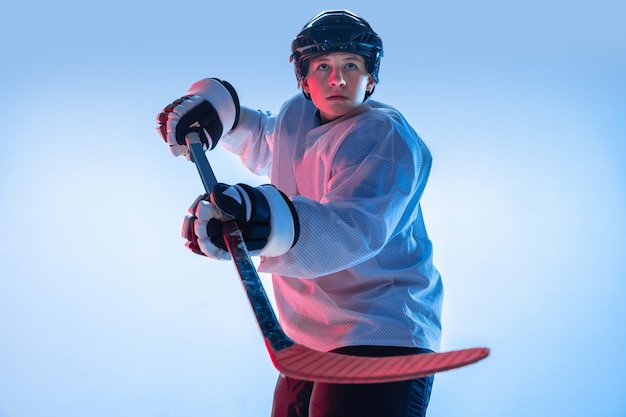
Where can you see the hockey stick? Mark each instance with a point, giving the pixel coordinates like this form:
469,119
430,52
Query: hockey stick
297,361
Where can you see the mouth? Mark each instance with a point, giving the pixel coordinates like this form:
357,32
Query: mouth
336,97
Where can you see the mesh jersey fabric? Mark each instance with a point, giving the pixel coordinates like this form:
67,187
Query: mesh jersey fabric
362,271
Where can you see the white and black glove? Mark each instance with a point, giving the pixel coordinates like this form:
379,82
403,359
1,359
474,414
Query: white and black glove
210,108
266,217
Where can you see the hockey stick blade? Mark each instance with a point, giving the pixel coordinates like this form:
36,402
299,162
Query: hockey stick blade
297,361
300,362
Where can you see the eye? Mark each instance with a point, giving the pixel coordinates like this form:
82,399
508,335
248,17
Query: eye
351,66
323,67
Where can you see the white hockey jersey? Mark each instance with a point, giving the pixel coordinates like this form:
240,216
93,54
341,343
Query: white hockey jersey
361,272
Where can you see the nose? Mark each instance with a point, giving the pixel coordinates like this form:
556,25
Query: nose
336,78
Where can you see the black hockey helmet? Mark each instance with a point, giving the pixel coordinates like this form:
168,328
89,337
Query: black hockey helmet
336,31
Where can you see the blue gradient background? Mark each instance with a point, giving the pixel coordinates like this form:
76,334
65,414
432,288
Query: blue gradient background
103,312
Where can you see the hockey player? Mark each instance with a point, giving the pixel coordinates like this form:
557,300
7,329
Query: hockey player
340,229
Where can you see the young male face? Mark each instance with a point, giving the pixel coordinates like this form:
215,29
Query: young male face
337,83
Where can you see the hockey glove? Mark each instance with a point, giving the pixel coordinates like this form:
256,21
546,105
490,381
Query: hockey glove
266,217
210,108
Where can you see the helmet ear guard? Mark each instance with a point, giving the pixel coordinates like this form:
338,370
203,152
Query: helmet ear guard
336,31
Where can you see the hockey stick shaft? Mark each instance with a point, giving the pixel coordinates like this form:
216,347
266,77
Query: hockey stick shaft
253,286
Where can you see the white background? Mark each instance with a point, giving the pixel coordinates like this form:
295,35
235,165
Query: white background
103,312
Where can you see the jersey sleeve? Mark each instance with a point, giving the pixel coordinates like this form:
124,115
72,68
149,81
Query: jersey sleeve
252,139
